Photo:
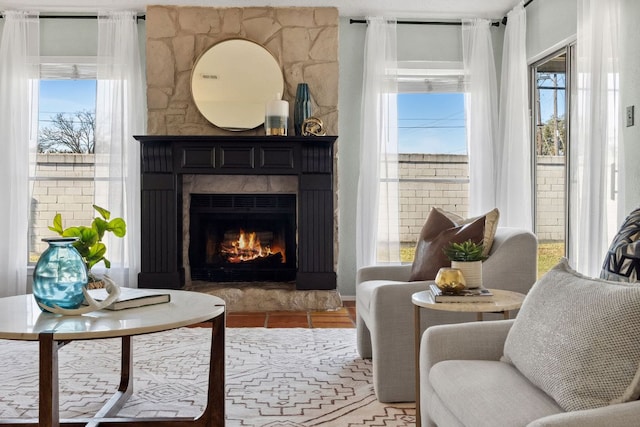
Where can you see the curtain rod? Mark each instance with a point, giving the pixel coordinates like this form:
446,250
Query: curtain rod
364,21
138,17
493,24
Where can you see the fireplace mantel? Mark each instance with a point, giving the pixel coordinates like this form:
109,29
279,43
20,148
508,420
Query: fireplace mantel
165,159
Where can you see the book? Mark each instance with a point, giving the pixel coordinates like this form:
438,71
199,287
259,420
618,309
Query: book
130,298
466,295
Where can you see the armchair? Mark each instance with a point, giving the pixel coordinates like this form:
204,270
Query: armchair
384,322
569,359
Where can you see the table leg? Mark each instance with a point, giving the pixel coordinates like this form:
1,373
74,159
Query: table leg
214,411
506,315
49,410
416,329
125,389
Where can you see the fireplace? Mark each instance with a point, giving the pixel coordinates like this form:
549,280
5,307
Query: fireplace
242,237
175,244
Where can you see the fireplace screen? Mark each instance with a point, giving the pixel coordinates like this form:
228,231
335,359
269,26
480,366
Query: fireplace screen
242,237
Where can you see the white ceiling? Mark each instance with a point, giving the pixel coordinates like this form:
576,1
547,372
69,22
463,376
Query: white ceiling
407,9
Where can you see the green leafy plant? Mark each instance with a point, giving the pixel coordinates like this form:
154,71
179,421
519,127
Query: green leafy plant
465,251
89,242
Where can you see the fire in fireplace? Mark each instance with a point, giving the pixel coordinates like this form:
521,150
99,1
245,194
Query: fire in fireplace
247,247
242,237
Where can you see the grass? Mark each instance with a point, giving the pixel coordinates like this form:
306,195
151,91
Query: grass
549,253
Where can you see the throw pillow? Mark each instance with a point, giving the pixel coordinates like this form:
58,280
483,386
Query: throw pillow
436,233
622,262
490,225
576,338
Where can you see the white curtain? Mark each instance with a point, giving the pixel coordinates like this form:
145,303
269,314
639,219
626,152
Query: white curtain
595,212
482,113
377,229
19,58
513,147
120,114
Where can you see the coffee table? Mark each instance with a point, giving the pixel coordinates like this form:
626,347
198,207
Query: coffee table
21,319
503,302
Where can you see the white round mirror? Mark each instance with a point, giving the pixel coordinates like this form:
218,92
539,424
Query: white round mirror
232,81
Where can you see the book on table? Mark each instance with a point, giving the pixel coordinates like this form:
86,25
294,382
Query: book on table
131,297
466,295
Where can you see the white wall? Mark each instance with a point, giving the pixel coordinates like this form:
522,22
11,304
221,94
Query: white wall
630,95
551,24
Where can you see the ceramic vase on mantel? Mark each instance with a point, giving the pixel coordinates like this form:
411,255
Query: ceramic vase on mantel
301,107
471,271
60,275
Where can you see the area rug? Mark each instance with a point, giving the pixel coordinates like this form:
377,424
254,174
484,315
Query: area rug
274,377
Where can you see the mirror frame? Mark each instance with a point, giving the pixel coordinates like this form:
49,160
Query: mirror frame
232,81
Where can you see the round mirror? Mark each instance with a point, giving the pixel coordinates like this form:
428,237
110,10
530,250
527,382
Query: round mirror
232,81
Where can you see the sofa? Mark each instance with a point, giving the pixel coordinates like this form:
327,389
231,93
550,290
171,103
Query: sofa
571,358
385,323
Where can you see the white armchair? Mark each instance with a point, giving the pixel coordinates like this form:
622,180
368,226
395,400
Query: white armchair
570,358
385,331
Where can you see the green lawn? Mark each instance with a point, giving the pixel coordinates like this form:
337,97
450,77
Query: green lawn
549,253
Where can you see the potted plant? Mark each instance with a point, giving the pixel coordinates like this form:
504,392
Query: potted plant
467,257
89,242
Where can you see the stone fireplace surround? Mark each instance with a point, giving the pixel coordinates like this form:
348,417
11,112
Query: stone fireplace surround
304,40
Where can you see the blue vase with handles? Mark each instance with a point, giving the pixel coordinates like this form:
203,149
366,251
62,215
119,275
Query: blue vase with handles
301,107
60,275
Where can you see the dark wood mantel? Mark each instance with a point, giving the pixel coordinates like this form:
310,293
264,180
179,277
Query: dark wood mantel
165,159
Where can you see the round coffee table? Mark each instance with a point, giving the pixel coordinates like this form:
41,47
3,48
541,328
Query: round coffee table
22,319
503,302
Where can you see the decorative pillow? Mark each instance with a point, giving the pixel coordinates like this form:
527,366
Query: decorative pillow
577,339
490,226
436,233
622,262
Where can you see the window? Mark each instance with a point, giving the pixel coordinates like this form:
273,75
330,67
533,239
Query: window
432,145
64,173
550,93
432,123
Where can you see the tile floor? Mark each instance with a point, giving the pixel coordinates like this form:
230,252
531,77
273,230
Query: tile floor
341,318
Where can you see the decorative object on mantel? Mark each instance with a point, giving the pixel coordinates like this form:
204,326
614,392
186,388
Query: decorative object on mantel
89,240
467,256
90,304
301,107
450,280
276,116
313,126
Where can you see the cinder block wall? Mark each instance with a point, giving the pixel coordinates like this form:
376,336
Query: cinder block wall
64,183
443,180
550,210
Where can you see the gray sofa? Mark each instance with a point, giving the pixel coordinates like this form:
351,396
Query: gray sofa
571,358
385,329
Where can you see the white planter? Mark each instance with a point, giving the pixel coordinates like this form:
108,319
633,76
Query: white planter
472,272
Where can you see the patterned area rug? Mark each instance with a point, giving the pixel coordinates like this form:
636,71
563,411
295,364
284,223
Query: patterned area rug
275,378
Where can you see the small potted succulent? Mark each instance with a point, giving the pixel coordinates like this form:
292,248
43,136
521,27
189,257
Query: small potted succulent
467,257
89,242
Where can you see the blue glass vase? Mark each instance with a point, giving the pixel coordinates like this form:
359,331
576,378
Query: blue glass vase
301,107
60,275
